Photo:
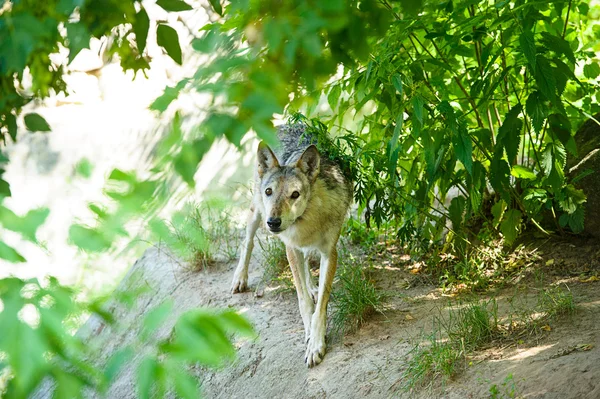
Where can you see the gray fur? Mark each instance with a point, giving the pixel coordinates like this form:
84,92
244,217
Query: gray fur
309,195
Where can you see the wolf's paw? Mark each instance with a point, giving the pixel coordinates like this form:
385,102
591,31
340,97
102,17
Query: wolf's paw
239,284
315,351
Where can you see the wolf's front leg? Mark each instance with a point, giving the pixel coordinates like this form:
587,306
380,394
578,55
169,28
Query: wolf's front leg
240,277
305,302
315,350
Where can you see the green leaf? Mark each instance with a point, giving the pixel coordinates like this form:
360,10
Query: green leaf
84,168
534,199
510,226
186,385
146,376
397,131
575,221
155,318
397,82
10,254
234,323
78,37
116,362
26,225
35,123
88,239
544,77
167,38
174,5
522,172
560,126
334,96
4,189
527,43
509,134
498,212
463,148
216,6
537,110
141,27
591,71
457,211
558,45
500,177
412,7
11,125
418,102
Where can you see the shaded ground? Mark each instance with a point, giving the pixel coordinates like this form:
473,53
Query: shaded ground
371,362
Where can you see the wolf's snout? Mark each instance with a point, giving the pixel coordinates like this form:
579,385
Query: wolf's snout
274,223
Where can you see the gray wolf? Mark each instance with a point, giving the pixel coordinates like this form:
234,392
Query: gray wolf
303,198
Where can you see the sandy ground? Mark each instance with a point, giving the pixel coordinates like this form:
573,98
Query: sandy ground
368,363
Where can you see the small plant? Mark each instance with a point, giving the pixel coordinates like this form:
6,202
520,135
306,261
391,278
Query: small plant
355,297
359,234
436,360
465,329
555,301
202,234
275,263
474,324
508,389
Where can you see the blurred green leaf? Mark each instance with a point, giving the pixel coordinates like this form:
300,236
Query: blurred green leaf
174,5
79,38
140,28
84,168
167,38
522,172
216,6
35,123
146,377
155,318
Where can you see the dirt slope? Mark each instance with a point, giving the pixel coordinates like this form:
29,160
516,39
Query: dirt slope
370,362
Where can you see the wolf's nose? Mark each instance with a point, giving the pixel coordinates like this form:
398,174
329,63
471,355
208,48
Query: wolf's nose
274,223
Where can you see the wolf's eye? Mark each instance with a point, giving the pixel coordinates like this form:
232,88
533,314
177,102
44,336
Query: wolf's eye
268,191
295,194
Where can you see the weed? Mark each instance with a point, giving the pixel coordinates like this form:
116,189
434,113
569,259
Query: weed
202,234
359,234
474,324
276,264
437,360
355,297
555,301
466,328
508,389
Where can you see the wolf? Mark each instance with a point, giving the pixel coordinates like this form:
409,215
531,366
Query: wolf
302,198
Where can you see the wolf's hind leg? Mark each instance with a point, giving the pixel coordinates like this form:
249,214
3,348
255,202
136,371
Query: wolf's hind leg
240,277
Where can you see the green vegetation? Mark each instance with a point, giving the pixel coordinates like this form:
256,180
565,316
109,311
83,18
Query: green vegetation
202,234
440,355
506,390
277,271
424,99
355,297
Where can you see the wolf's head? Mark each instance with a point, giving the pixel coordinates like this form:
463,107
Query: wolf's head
285,190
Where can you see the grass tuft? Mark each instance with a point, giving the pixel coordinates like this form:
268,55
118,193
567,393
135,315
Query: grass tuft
277,270
355,297
466,328
202,234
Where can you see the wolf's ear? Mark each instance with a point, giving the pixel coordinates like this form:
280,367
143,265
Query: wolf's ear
310,162
266,159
